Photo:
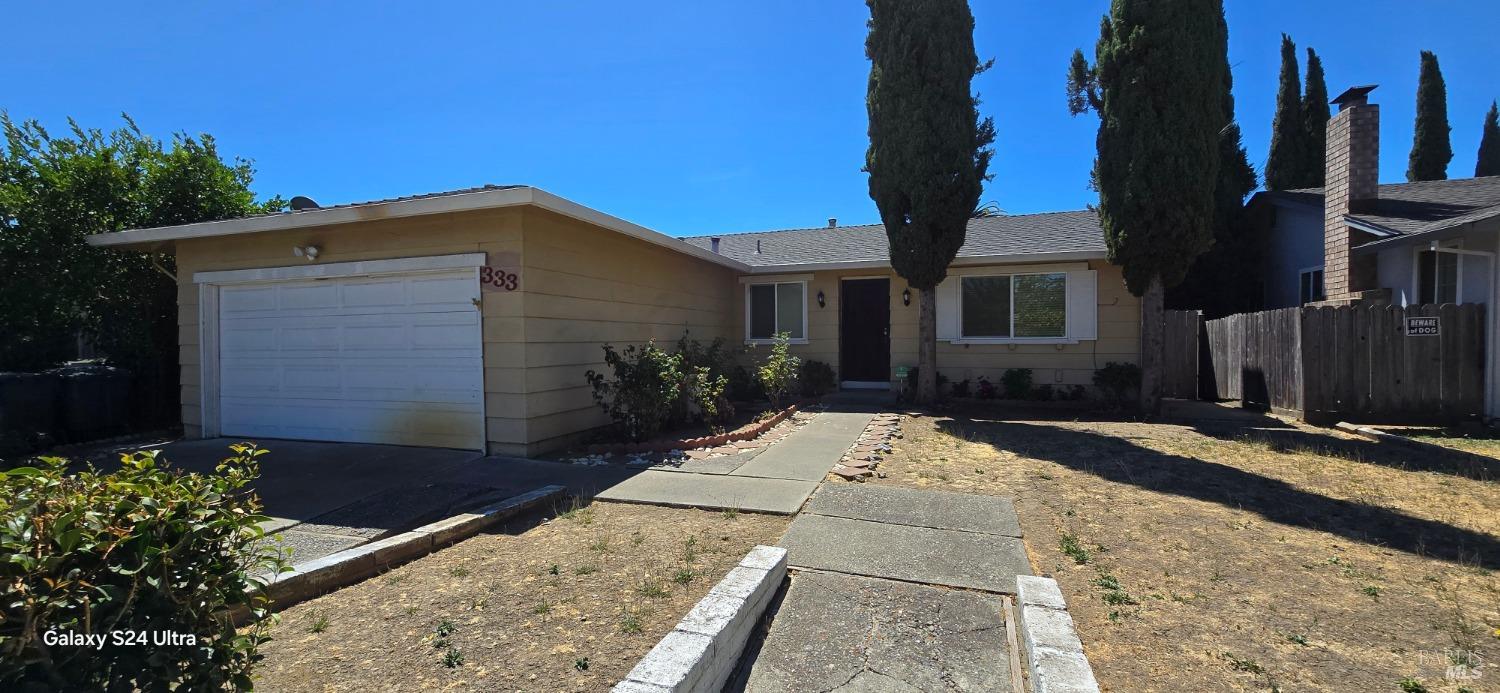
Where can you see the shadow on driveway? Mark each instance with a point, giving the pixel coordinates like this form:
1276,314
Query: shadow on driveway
1119,460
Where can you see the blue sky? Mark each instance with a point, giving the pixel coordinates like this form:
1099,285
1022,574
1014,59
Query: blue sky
690,118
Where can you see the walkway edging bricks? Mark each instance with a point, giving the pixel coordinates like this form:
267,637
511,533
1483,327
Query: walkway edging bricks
336,570
1054,654
704,648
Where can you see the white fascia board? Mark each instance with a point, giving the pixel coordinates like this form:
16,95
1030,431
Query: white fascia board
1025,258
1367,227
358,268
483,199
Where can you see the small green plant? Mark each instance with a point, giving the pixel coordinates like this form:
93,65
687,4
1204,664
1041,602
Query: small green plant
458,571
1016,382
960,389
690,550
554,569
1118,381
1371,591
395,579
637,538
578,512
319,624
1248,666
444,628
779,372
1114,594
653,588
542,609
642,394
1297,638
599,545
581,663
683,576
1074,550
585,569
730,513
630,623
453,658
817,378
1412,684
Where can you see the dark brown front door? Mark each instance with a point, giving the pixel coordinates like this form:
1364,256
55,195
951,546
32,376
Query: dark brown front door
865,330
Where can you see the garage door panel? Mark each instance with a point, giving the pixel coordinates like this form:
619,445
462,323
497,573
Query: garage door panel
386,360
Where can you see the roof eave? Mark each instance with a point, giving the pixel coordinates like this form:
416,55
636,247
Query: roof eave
1015,258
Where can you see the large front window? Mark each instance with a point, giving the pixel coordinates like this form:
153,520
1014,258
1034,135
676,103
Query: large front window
1013,306
776,308
1437,277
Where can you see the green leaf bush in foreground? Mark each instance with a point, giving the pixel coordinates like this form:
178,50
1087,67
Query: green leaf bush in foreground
151,559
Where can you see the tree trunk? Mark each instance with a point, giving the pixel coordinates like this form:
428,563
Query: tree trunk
927,346
1153,346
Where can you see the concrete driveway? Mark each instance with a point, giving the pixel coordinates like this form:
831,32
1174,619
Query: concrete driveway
325,497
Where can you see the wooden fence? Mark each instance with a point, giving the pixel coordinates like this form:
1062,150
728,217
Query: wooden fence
1351,361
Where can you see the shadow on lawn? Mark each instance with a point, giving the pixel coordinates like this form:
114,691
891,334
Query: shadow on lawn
1283,438
1119,460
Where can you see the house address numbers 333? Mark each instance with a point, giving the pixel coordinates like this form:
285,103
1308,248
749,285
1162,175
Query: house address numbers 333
501,273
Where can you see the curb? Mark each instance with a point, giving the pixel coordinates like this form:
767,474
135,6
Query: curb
1054,654
705,647
746,432
336,570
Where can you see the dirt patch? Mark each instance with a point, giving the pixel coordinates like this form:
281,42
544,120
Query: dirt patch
1226,557
568,605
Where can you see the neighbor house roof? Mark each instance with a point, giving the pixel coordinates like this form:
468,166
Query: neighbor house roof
1404,210
1053,236
1022,237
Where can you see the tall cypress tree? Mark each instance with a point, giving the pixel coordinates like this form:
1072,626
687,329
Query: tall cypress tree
1158,86
1287,162
1430,149
929,149
1226,279
1315,116
1489,145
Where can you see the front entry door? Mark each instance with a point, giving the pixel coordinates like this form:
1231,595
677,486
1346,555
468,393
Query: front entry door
865,331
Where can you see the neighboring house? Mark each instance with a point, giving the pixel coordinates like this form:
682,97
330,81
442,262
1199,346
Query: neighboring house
467,319
1356,241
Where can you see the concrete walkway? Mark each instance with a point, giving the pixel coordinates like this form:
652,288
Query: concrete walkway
871,605
777,480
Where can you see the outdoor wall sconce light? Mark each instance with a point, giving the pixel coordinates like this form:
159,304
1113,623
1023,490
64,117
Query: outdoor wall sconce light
820,299
310,252
906,296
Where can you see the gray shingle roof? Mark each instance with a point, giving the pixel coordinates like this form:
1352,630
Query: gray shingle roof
1010,235
1412,208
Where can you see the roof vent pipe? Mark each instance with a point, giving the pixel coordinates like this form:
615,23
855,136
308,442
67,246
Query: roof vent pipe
757,246
713,244
832,222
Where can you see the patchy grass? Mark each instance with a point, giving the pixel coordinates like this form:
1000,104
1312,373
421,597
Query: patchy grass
540,609
1472,439
1265,557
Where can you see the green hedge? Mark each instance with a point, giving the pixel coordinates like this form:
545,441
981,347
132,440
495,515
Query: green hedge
142,553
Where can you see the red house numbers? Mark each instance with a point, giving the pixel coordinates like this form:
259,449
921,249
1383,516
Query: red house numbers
501,273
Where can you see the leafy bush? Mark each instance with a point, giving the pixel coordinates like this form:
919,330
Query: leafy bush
705,392
143,550
817,378
1016,383
1042,393
777,375
1118,381
961,388
646,385
743,387
986,389
706,373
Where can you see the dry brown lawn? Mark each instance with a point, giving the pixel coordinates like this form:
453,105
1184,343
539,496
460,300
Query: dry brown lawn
568,605
1241,558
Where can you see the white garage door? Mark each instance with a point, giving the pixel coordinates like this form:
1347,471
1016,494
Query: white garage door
388,359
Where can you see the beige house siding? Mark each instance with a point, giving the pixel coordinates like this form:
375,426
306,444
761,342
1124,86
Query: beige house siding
586,286
1065,364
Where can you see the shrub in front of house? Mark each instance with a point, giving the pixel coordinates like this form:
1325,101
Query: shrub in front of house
960,388
644,391
778,374
1118,382
817,378
986,389
1016,382
125,580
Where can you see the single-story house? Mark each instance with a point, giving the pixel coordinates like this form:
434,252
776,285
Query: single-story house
468,318
1357,241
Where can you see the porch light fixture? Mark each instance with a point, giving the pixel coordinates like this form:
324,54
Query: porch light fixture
906,296
820,299
310,252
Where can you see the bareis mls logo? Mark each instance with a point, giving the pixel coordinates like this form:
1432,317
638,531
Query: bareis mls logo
118,638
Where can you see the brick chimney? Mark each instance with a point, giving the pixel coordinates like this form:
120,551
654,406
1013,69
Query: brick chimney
1352,177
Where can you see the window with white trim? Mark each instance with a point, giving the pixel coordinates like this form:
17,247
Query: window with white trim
774,308
1437,277
1018,306
1310,285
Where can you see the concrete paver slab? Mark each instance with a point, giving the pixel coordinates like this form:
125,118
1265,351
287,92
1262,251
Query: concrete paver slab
306,546
847,634
900,552
903,506
811,451
778,496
